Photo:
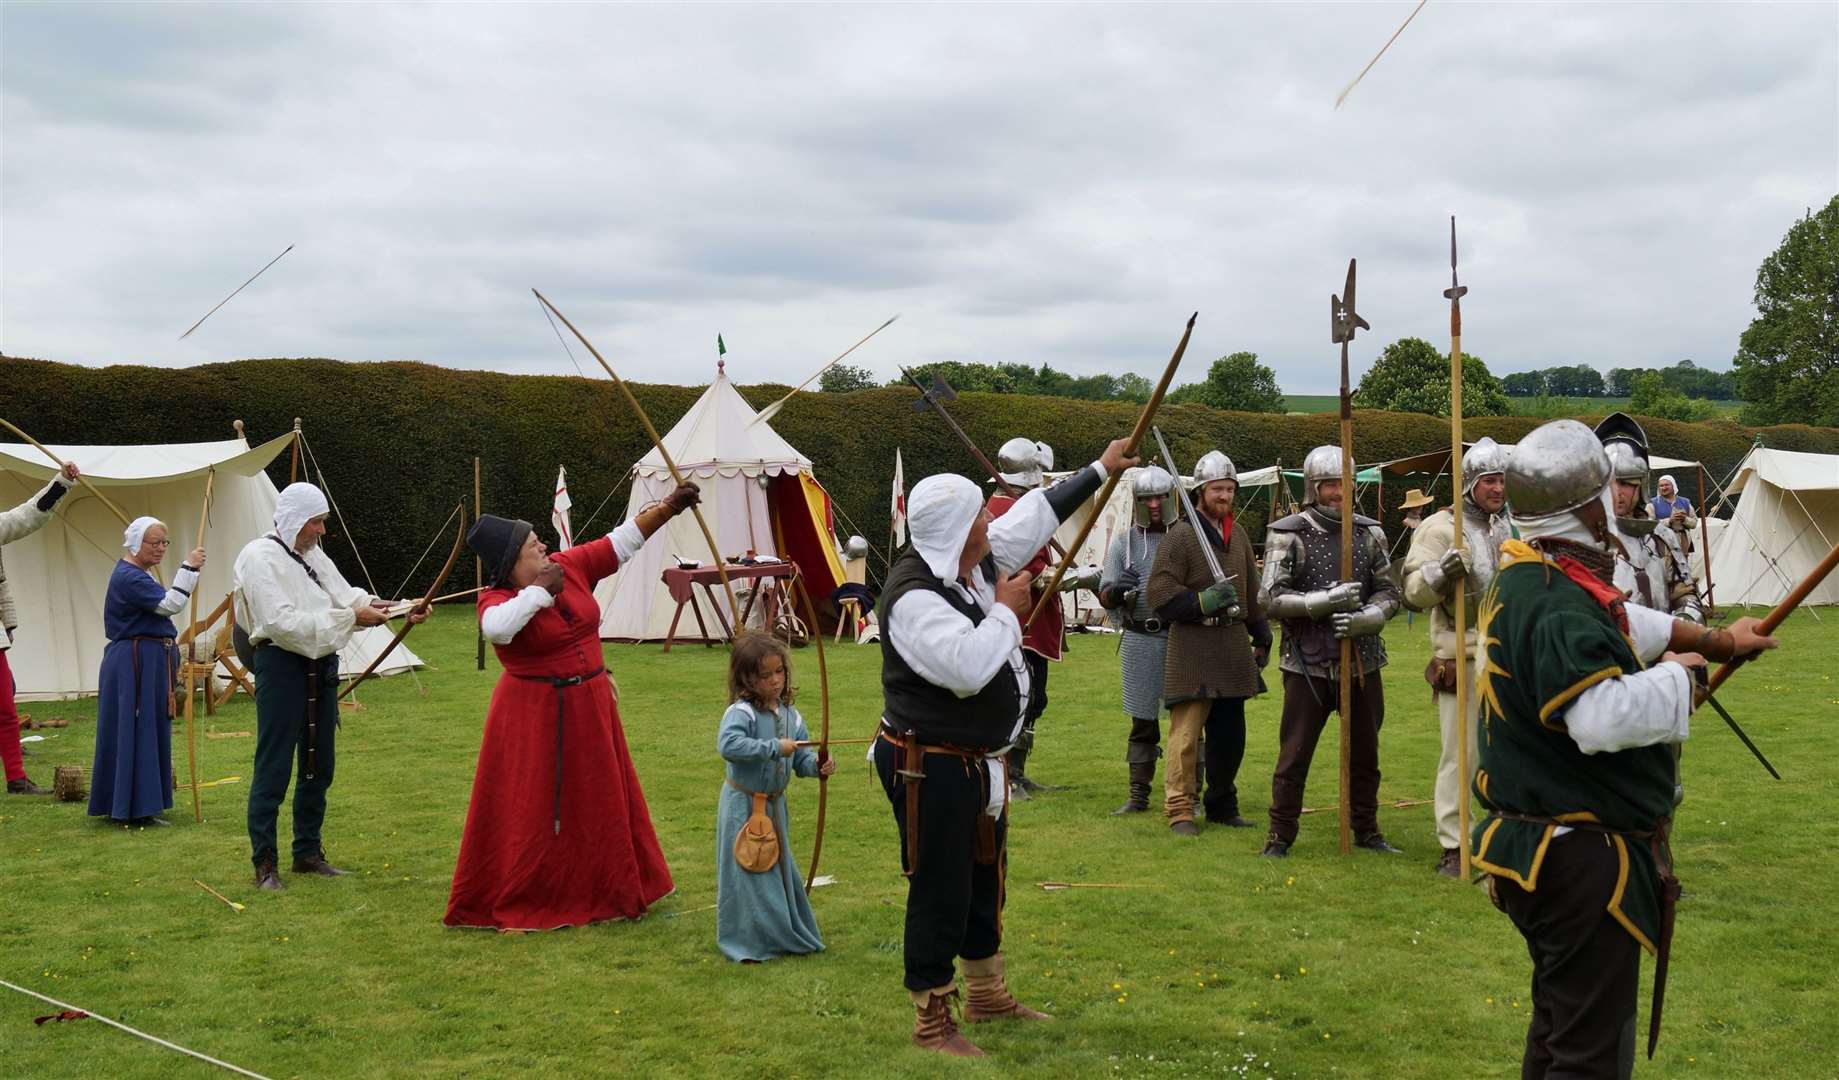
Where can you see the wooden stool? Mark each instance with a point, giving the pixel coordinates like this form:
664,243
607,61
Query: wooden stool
848,609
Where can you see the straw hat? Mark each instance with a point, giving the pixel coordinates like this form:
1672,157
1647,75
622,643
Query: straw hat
1414,499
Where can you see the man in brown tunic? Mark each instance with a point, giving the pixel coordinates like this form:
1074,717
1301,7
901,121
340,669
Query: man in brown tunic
1218,639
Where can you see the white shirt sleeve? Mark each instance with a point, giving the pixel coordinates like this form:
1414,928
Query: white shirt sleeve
1025,529
1643,709
1650,629
627,540
944,647
501,622
26,518
180,594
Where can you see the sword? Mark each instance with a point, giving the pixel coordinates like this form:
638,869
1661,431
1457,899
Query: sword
1187,507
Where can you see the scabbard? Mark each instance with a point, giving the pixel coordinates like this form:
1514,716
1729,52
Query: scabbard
914,760
1669,902
312,718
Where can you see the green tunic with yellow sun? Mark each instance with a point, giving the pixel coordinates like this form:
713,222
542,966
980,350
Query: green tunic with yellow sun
1545,640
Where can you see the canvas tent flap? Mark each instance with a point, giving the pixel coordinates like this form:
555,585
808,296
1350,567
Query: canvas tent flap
59,575
1789,469
127,466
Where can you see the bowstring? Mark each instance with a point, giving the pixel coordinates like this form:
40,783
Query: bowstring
438,533
582,529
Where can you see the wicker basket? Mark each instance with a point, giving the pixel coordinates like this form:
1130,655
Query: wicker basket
69,783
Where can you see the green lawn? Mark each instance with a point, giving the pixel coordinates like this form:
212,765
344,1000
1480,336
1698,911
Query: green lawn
1576,406
1216,963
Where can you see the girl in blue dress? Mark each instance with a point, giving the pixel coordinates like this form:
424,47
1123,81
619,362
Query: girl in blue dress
131,779
761,910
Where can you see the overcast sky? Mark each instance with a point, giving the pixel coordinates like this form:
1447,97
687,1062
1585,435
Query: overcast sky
1058,184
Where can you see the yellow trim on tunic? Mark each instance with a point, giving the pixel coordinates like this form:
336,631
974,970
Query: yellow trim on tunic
1564,697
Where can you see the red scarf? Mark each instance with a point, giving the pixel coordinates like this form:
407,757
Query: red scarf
1225,527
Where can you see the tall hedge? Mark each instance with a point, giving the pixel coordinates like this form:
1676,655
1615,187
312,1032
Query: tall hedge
396,441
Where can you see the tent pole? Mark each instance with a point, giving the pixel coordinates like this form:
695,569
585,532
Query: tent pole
293,464
1705,538
478,575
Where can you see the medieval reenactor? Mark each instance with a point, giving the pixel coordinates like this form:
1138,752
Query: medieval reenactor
1145,640
956,692
1302,590
1646,570
17,524
1432,568
298,612
1217,643
1023,464
1578,751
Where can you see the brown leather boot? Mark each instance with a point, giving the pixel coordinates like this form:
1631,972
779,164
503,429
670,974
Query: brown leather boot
317,864
933,1027
987,995
266,878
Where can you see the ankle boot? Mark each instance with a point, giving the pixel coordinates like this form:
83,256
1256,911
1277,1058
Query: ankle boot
933,1027
1141,773
987,996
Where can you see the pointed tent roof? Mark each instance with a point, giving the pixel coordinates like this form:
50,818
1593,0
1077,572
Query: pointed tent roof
718,435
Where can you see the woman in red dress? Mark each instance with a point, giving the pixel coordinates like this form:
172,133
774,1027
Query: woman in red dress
557,833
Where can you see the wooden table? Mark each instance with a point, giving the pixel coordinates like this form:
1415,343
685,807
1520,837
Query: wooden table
682,584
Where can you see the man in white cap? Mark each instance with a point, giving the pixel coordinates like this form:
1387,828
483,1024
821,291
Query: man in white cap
1433,567
298,612
1585,698
955,689
17,524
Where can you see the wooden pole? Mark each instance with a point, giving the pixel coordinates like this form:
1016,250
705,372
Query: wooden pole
715,552
1347,574
1104,495
1704,543
1455,294
191,647
478,577
293,462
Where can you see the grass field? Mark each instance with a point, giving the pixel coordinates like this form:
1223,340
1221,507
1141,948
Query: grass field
1577,406
1216,963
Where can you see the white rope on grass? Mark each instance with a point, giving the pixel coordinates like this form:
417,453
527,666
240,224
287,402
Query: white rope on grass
133,1031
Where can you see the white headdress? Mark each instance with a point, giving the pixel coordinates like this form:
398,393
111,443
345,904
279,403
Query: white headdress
297,505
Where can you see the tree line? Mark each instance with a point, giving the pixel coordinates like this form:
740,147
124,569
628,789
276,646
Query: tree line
1581,380
1786,368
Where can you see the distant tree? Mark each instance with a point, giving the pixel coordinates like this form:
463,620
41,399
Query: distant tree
843,378
1237,382
1575,380
1651,396
1411,375
964,377
1134,387
1787,362
1620,381
1523,384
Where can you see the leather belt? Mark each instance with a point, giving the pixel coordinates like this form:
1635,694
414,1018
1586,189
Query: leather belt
1147,626
560,685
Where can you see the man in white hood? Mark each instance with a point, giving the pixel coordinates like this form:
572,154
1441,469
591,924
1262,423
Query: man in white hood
955,689
298,612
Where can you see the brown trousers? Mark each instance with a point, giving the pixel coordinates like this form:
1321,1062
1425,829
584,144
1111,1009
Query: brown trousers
1307,704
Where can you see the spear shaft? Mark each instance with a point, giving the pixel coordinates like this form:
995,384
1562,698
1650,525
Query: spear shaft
1455,293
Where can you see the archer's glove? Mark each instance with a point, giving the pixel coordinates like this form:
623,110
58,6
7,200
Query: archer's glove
1361,622
682,497
1218,597
1441,575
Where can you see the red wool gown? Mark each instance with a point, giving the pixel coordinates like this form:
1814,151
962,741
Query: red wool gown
516,869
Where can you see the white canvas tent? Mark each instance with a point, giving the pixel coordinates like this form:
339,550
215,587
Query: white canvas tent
59,575
1786,521
758,494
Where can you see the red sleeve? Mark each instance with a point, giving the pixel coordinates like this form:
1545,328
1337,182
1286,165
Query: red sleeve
593,560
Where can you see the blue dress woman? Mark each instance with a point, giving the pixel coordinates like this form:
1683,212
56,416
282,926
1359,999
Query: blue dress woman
131,778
